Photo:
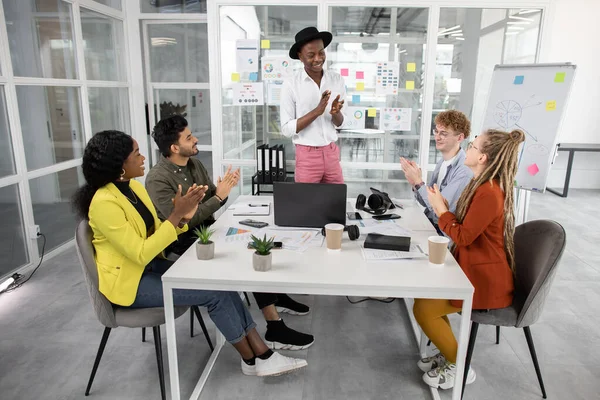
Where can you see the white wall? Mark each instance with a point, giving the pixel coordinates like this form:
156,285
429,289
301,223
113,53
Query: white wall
574,33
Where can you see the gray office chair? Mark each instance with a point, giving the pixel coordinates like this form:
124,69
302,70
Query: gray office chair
113,317
539,245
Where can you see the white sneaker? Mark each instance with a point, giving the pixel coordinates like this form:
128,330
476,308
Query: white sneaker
249,370
428,363
278,365
443,376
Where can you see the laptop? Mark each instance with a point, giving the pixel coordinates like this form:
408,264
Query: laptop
309,205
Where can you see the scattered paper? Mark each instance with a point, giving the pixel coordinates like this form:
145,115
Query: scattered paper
410,85
395,119
559,77
247,55
519,80
416,251
265,44
551,105
384,227
294,240
274,93
388,78
248,94
259,208
276,68
354,118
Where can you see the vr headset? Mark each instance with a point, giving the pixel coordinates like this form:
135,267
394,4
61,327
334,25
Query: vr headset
378,202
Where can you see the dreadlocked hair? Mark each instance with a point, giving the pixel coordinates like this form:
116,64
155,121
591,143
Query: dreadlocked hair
502,149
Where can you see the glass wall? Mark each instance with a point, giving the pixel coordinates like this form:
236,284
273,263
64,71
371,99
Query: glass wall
41,146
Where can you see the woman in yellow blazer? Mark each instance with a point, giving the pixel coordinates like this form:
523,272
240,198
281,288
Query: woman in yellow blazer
129,240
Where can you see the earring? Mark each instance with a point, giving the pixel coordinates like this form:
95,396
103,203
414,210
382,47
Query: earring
121,177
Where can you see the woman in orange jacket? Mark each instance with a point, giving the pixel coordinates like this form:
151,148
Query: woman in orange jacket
482,231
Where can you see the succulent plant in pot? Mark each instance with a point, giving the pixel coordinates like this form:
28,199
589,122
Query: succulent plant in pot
205,248
262,257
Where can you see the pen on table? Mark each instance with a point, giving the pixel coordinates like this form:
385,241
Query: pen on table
258,205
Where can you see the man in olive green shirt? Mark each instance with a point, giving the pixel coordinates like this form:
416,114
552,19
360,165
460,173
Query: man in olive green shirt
178,166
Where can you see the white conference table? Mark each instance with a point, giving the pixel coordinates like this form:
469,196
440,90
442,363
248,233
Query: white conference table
318,272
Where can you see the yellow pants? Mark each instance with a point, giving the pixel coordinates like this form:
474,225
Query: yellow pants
431,314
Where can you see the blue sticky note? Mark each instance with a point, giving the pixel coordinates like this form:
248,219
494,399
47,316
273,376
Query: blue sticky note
519,80
356,98
254,76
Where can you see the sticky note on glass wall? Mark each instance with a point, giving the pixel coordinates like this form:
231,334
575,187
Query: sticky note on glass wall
519,80
265,44
344,72
533,169
360,86
235,77
551,105
372,112
411,67
360,75
254,76
559,77
356,98
410,85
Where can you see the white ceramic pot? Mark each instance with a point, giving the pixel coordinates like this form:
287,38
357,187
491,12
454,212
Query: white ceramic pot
262,263
205,251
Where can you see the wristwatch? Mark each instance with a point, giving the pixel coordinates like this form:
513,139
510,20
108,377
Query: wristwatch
418,186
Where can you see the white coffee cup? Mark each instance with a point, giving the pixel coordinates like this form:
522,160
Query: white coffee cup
438,246
333,236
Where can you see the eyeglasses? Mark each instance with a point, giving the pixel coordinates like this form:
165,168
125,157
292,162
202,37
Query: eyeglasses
471,145
442,134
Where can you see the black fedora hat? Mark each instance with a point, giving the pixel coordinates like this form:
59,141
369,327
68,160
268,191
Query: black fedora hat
308,35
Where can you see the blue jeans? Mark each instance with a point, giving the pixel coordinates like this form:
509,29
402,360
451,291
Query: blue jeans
226,309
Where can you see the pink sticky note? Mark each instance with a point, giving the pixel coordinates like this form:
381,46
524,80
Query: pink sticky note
344,71
360,75
533,169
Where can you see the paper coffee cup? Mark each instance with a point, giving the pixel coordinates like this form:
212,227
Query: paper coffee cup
333,236
438,246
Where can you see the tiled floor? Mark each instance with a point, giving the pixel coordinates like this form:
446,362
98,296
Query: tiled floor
49,337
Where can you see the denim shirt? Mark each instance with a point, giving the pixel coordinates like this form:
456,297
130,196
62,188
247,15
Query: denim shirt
455,181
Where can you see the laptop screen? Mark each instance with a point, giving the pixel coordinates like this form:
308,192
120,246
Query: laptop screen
309,205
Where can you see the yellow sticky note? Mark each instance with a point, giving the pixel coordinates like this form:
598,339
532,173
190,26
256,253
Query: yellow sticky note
551,105
235,77
411,67
410,85
372,112
360,86
265,44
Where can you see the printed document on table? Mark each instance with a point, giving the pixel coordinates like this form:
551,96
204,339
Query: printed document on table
416,251
295,240
257,208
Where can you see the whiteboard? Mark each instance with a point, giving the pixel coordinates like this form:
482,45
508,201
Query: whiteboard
530,97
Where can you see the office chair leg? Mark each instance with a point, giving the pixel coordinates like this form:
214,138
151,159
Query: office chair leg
201,320
159,360
247,299
470,348
498,335
143,335
529,338
98,357
191,323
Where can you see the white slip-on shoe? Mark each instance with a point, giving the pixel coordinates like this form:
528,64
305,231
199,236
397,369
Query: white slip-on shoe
428,363
249,370
278,364
443,377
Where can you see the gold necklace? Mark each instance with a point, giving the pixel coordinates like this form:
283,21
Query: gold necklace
134,196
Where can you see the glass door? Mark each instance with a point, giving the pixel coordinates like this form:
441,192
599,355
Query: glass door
177,79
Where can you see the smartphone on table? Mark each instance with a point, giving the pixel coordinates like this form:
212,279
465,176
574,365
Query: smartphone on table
386,216
353,215
254,223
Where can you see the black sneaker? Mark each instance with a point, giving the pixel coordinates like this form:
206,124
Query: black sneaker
285,304
281,337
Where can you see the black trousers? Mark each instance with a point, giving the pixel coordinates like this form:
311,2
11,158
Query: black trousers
265,299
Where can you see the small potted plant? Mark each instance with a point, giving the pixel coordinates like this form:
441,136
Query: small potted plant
262,257
205,248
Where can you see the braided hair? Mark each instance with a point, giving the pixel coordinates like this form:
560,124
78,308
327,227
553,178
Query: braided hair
502,149
103,161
